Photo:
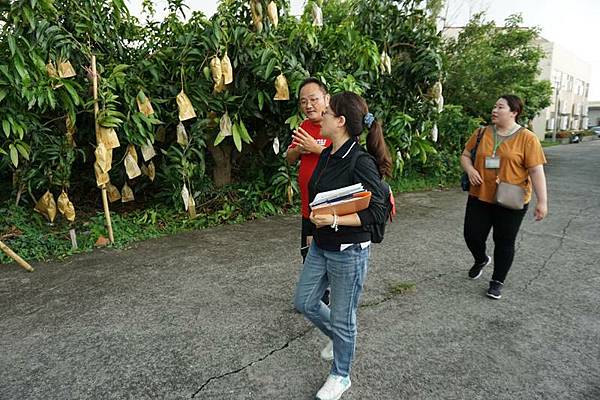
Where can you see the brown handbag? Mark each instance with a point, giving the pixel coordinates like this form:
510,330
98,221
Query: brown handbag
510,196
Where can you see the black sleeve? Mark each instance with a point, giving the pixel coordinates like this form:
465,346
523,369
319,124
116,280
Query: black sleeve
366,172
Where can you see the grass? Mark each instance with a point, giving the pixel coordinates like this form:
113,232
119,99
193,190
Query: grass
400,288
549,143
31,236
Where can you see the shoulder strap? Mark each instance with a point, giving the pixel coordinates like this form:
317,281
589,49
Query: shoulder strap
355,156
479,136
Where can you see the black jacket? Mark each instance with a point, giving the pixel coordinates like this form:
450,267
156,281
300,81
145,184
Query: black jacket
332,172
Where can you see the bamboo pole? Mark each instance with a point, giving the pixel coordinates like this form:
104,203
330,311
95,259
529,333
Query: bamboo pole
96,110
15,257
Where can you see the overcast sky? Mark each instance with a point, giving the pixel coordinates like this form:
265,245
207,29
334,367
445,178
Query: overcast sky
573,24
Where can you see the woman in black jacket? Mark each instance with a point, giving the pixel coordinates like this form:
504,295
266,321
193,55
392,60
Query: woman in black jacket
338,256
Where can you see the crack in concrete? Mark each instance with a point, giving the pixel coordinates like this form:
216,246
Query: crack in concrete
391,296
562,238
555,236
286,345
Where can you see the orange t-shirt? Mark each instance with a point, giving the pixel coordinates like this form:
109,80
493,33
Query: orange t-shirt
517,153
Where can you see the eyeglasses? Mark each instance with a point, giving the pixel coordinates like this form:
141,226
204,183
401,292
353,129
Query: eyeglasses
312,101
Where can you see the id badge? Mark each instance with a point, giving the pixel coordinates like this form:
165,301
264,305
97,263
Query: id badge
492,162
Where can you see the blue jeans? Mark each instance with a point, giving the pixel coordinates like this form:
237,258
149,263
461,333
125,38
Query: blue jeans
344,272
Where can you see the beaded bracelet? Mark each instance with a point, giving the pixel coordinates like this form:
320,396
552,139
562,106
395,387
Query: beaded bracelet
334,225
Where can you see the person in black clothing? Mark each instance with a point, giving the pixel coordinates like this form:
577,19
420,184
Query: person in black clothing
339,253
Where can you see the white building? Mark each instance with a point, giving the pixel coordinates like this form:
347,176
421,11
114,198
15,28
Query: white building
570,78
593,113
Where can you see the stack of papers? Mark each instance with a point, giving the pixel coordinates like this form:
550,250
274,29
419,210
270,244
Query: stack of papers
337,194
343,201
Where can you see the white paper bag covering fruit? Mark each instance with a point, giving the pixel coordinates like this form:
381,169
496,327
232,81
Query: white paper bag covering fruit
227,69
317,15
46,206
126,194
144,104
103,157
151,171
148,151
131,167
281,85
186,110
225,125
131,150
185,196
65,207
216,70
102,177
65,70
182,137
109,137
113,193
385,63
51,70
272,13
192,207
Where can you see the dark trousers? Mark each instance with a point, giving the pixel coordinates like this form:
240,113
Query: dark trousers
480,217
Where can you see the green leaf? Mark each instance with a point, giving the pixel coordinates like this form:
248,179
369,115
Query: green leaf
3,94
270,67
22,148
72,92
237,140
19,131
261,100
219,139
51,98
29,16
12,44
264,57
244,133
6,128
141,96
21,68
14,155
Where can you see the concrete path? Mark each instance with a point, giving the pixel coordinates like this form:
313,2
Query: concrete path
208,314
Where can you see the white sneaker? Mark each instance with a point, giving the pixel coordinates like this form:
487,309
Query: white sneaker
334,387
327,352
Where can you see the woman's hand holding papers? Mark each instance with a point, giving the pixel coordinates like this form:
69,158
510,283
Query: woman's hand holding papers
323,220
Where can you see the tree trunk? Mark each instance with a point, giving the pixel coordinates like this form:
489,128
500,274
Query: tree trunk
222,171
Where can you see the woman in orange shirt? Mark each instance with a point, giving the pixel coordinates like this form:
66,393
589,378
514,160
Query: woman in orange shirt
509,153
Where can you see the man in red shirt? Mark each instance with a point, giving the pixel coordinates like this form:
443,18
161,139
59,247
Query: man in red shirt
307,146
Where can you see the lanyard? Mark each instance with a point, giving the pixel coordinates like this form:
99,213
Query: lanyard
498,143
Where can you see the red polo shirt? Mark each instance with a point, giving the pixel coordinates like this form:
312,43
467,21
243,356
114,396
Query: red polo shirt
308,162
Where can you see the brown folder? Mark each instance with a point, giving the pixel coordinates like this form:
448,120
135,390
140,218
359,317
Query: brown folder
358,202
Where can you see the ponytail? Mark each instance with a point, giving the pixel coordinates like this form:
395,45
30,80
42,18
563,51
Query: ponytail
377,148
355,111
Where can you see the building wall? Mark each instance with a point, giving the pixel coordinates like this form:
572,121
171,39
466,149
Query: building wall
570,78
594,113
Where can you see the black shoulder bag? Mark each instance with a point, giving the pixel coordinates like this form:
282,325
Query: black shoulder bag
464,179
